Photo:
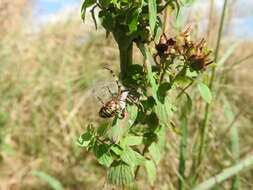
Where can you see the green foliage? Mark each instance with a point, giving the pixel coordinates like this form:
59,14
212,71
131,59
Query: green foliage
151,171
152,9
205,92
120,174
139,137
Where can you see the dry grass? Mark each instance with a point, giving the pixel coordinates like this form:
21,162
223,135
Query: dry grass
46,103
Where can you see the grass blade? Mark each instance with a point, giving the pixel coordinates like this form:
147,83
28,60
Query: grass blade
53,182
234,136
236,154
227,173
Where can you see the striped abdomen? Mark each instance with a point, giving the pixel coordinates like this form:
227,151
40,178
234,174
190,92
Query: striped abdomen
110,109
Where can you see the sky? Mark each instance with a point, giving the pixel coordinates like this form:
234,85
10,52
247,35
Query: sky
52,10
53,6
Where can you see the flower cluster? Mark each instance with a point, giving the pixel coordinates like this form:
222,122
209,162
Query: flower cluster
195,55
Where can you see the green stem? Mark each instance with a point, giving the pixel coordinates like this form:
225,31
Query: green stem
204,126
183,152
126,59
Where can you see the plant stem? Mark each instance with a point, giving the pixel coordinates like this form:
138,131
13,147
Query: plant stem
204,126
126,59
183,151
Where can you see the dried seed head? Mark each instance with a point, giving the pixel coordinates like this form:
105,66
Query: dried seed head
195,54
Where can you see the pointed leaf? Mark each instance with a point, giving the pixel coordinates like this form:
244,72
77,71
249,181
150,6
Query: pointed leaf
102,129
84,139
116,130
103,155
120,174
132,157
155,152
151,171
132,18
133,140
86,4
152,14
117,149
205,92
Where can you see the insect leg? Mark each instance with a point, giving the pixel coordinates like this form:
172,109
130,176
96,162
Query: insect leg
100,100
116,80
111,93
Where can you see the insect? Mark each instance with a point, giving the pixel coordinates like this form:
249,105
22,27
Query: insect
117,105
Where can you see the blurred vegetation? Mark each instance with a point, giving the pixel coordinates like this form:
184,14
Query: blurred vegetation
46,77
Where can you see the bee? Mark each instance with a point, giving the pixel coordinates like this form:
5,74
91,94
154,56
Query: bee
117,105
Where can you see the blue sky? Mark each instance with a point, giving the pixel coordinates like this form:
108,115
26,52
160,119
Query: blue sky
53,6
242,26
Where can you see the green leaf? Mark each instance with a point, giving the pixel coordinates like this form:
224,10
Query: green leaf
152,14
188,105
152,120
164,111
158,30
132,157
104,3
102,129
133,112
161,134
116,130
103,154
162,90
86,4
150,75
133,140
116,3
151,171
155,152
182,80
53,182
117,149
205,92
132,18
120,174
84,139
107,20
